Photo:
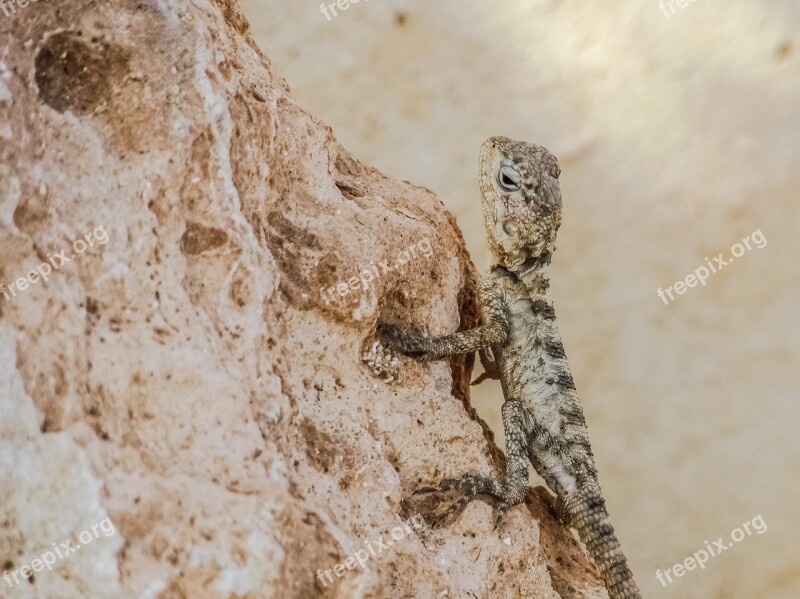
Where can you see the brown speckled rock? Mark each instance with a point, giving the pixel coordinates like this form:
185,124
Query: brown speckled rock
191,372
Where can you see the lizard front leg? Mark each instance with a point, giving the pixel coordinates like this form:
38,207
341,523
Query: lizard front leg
511,489
494,331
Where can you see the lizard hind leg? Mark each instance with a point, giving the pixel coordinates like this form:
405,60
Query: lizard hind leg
510,490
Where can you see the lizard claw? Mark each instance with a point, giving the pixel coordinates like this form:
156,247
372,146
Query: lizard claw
456,506
471,487
499,518
490,367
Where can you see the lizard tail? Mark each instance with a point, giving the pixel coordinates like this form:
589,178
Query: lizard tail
588,514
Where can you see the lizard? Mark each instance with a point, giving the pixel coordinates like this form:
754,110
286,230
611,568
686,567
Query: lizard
519,343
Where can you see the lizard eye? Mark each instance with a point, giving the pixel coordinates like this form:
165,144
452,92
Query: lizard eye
508,178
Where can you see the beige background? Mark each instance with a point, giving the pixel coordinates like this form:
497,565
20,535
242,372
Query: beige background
677,138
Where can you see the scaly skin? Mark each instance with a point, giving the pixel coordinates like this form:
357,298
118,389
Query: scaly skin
519,339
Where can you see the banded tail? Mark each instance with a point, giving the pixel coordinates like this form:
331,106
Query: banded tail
588,514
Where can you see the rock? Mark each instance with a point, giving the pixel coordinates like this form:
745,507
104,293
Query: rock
192,266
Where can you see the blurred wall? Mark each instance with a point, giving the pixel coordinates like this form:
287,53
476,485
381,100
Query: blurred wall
676,128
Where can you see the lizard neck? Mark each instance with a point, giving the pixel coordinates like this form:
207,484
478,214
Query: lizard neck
534,274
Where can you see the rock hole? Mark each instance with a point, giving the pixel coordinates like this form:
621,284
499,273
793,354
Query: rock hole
76,75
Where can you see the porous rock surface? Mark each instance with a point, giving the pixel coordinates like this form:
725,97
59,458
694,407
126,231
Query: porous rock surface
196,378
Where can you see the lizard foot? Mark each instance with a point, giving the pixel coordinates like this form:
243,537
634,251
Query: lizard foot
471,487
413,342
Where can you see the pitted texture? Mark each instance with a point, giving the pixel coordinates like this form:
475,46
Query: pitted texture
194,379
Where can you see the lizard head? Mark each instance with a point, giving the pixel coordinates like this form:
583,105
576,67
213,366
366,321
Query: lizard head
521,202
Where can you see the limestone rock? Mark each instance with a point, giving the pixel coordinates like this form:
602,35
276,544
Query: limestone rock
192,267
